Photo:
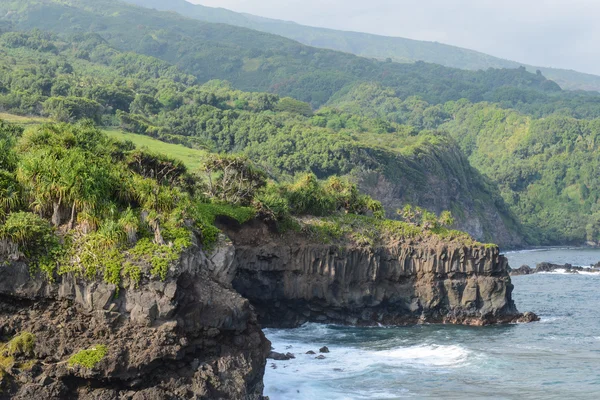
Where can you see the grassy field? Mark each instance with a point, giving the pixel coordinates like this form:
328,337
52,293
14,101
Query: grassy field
17,119
191,157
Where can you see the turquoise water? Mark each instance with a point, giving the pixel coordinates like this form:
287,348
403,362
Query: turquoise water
557,358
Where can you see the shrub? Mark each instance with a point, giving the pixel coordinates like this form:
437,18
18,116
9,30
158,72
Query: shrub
33,234
233,179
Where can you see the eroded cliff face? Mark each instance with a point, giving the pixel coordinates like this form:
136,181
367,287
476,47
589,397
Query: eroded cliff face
442,179
291,281
189,337
197,334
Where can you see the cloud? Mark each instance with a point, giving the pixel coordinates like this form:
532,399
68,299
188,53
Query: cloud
553,33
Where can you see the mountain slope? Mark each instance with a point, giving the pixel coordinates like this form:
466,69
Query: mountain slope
256,61
369,45
547,169
86,78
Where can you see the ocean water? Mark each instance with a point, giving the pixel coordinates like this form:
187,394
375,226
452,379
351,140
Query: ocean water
557,358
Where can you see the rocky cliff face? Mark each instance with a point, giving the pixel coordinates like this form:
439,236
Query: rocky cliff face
440,178
293,281
189,337
197,335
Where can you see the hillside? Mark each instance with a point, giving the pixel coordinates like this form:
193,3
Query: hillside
86,78
374,46
126,276
546,168
255,61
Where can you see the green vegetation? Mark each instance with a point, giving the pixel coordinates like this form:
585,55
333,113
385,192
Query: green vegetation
371,46
252,61
87,204
546,168
192,158
400,132
154,100
89,358
20,347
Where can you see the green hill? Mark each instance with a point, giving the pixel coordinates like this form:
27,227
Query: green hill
256,61
85,78
375,46
546,168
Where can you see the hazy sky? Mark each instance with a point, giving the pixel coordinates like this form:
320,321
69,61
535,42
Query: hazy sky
553,33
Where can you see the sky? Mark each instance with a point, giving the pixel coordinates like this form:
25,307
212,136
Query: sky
547,33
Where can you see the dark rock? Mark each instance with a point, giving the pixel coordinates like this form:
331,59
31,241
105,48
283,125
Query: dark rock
321,357
280,356
324,349
165,340
310,352
523,270
416,281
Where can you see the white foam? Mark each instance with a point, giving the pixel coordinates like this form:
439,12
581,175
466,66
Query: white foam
346,366
429,355
562,271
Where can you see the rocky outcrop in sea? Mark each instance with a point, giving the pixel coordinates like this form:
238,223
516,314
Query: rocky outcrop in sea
291,281
549,267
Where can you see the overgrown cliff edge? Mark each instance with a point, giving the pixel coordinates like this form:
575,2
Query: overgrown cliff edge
188,337
123,276
291,281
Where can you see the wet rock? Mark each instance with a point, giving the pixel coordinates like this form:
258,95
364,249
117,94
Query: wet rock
321,357
310,352
280,356
523,270
324,349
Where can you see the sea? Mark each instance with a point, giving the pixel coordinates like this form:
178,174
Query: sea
556,358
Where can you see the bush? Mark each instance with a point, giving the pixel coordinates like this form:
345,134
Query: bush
233,179
33,234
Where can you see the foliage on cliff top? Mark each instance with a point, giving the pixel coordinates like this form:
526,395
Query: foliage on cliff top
93,206
364,230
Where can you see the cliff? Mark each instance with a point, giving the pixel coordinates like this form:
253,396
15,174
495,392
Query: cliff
197,334
291,281
439,177
187,337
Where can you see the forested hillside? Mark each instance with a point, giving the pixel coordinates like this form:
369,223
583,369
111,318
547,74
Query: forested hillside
401,131
547,168
256,61
86,78
368,45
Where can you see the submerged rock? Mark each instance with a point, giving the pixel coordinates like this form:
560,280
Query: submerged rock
321,357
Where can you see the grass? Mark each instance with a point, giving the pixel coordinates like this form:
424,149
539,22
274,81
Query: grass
191,157
17,119
21,345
